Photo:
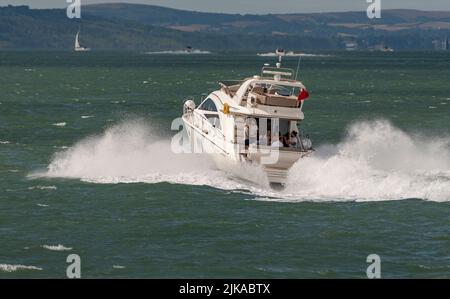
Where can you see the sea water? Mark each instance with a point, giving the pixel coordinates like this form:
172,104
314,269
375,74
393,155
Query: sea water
86,167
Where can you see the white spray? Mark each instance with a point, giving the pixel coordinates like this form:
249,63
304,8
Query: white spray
375,162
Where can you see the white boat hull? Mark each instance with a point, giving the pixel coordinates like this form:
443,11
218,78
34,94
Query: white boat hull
267,107
243,163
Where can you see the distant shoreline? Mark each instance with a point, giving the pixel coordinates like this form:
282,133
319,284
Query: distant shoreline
155,29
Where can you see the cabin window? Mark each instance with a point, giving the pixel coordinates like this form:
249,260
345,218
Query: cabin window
263,130
208,105
284,126
273,89
214,120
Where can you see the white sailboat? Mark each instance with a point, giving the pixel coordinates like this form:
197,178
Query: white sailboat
78,47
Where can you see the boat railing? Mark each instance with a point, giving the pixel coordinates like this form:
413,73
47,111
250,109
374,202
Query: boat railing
206,127
267,148
230,87
275,71
229,83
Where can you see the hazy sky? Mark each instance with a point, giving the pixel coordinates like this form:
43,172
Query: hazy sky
255,6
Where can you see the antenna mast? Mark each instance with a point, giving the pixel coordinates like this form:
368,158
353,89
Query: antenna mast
298,67
280,53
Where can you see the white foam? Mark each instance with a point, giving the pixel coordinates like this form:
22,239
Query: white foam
42,205
39,187
60,124
131,153
375,162
292,55
58,247
13,268
179,52
86,116
5,142
118,267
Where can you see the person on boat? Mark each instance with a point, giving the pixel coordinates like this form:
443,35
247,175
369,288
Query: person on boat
278,141
286,140
294,140
263,139
247,135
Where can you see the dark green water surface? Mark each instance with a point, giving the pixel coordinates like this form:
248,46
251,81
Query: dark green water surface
107,204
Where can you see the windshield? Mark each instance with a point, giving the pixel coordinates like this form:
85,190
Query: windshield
276,89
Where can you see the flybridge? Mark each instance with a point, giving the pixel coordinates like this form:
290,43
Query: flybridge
276,86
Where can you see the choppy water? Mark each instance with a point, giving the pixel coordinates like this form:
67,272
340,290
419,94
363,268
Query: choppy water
85,168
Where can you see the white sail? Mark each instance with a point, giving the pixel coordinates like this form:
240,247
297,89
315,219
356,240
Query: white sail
78,47
77,42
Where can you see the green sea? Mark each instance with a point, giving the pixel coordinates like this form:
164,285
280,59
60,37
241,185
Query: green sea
86,168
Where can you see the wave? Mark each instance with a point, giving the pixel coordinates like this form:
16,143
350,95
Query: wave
292,55
376,161
131,152
179,52
58,247
39,187
13,268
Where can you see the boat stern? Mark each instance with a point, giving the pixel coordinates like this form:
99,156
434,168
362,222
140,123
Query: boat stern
276,162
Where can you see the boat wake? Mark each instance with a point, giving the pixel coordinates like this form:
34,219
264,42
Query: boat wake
375,162
130,152
293,55
179,52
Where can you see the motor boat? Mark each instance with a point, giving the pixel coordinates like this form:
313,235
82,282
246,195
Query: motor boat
281,52
253,122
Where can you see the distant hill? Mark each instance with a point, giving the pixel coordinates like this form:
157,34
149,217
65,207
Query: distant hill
152,28
288,23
